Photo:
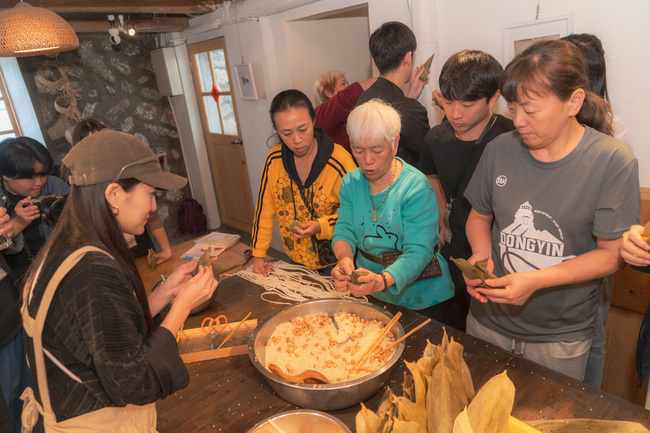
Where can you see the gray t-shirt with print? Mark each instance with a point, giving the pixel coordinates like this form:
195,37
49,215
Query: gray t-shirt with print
546,213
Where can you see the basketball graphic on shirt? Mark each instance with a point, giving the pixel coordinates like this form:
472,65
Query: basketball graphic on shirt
533,241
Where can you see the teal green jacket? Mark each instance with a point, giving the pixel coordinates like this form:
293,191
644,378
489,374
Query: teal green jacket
408,222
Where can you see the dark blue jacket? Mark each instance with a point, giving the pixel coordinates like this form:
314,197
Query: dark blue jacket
643,341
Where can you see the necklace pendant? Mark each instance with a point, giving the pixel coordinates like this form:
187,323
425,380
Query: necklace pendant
373,216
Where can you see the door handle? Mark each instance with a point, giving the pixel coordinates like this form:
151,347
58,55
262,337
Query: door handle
238,141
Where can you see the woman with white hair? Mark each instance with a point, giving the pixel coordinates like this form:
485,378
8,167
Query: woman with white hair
389,214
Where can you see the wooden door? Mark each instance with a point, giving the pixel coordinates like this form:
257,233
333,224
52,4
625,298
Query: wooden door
215,95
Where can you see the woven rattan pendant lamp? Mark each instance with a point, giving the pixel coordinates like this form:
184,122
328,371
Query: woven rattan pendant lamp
30,31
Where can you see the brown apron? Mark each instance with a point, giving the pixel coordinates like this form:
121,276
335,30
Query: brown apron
129,419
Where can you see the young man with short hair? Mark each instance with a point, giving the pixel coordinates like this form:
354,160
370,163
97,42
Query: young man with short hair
392,47
469,89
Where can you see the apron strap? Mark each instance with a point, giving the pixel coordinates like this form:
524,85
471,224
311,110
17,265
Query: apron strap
34,326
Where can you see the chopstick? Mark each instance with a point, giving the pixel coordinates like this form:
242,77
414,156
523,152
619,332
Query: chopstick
376,342
234,330
399,340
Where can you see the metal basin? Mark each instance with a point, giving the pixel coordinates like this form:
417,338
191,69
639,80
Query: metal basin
331,396
302,421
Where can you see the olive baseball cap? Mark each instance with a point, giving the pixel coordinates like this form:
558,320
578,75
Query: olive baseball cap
107,156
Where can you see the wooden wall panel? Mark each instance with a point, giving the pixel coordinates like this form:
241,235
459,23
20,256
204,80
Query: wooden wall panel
630,299
620,377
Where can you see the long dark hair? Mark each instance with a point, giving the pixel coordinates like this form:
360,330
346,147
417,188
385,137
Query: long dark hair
87,219
288,99
555,67
593,54
84,128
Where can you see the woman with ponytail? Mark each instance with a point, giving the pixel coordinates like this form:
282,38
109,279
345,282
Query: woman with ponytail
550,203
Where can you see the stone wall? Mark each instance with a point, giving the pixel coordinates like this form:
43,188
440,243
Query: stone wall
114,84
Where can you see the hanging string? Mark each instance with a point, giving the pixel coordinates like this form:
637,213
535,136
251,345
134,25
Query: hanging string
537,13
293,283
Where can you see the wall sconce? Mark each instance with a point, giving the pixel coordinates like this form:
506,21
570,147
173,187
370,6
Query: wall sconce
28,31
131,29
114,32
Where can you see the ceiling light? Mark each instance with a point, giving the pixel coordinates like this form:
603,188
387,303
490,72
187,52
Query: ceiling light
30,31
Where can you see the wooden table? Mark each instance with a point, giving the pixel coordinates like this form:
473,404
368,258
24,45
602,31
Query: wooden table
230,395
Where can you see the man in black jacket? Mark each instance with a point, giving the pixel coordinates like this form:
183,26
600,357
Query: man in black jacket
392,47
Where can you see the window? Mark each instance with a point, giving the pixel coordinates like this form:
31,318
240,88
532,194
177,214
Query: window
9,126
216,92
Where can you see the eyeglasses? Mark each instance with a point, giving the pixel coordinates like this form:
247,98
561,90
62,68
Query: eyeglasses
160,157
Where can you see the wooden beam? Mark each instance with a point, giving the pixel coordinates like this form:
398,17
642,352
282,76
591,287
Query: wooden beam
173,7
153,25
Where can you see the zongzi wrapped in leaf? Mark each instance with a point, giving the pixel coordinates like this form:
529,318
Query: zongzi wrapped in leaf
409,411
491,407
354,276
204,260
477,271
408,427
427,68
446,398
153,260
367,421
419,381
646,233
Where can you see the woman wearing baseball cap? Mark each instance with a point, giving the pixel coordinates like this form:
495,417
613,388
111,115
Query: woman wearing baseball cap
98,360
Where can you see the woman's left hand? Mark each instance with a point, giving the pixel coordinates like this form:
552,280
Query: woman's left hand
368,284
307,229
177,279
518,287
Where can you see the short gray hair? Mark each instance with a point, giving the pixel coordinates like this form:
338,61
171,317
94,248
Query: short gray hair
374,121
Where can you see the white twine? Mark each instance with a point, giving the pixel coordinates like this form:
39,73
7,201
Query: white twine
294,283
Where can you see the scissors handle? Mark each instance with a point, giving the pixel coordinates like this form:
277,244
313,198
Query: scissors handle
214,324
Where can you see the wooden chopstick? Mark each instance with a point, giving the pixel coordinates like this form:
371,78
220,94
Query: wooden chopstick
399,340
376,342
234,330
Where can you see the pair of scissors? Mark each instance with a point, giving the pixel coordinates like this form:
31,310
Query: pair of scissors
214,327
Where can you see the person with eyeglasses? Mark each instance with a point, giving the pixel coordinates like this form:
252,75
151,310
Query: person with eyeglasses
140,245
92,345
24,167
